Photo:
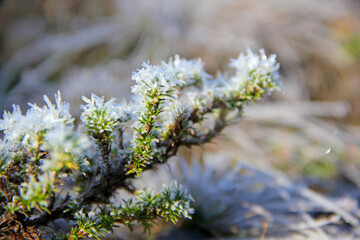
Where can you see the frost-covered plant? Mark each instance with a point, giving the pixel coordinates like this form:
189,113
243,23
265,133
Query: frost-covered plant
49,170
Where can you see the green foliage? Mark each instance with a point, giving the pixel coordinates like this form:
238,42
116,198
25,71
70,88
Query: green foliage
49,170
352,45
144,147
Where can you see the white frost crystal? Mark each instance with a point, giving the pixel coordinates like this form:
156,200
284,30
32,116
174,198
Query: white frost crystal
253,64
104,116
187,71
25,130
152,77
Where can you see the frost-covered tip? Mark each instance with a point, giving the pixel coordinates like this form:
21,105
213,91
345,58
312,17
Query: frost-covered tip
96,103
153,77
256,64
62,109
24,129
104,116
176,199
169,75
187,71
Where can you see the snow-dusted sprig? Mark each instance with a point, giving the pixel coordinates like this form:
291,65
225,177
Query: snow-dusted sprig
91,224
175,203
160,86
41,131
154,84
188,72
25,136
146,135
255,68
155,81
102,120
25,131
38,148
171,204
255,75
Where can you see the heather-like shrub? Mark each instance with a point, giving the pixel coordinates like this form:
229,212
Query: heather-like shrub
50,169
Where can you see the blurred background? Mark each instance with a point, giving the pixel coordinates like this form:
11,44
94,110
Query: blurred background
310,130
